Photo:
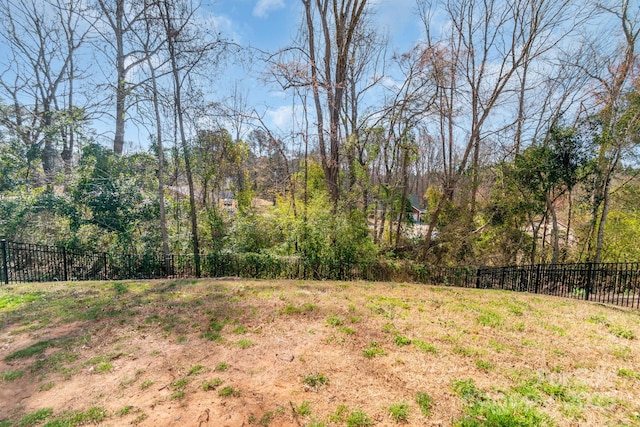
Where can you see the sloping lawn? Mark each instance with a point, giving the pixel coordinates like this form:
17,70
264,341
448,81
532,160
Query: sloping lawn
290,353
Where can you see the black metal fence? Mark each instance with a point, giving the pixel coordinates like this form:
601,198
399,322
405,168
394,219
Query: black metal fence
612,283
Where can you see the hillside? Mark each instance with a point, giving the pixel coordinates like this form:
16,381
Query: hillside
232,353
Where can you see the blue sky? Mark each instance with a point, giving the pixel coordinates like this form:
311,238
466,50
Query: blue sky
270,25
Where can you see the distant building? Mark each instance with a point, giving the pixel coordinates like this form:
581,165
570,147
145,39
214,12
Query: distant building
416,210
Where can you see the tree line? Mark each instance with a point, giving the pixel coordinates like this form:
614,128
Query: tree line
507,134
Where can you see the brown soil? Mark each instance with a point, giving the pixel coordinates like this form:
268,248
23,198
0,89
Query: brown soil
115,350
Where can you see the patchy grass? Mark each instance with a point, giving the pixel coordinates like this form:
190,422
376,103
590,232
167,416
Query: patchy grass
315,381
509,359
373,350
425,403
399,411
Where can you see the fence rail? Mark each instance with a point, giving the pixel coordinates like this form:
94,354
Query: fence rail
611,283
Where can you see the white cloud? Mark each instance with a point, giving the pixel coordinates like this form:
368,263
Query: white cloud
281,117
263,7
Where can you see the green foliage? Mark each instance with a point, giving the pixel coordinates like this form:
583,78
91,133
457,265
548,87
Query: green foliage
315,381
373,350
255,233
467,390
509,412
212,384
304,409
9,376
399,411
401,340
425,402
33,350
425,347
358,418
228,391
110,192
35,418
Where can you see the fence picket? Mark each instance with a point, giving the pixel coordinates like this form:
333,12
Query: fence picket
617,284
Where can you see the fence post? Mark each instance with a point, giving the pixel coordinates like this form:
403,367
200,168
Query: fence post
587,289
537,279
106,269
65,273
3,249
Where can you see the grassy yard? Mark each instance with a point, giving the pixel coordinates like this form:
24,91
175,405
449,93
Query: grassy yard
231,353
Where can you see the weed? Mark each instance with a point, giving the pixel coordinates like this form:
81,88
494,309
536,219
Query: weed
266,419
628,373
598,319
140,418
290,309
621,332
146,384
180,384
467,390
316,423
33,350
215,326
124,411
347,331
490,319
463,351
240,330
511,412
196,370
401,340
358,418
244,343
221,367
304,409
212,384
623,352
228,391
484,365
93,415
315,381
339,414
425,346
104,367
389,328
120,288
603,401
335,321
373,350
558,330
35,418
178,394
46,386
308,307
399,411
212,336
9,376
425,402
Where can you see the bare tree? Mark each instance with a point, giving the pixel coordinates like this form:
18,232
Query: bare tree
479,56
189,49
43,40
121,24
619,70
329,52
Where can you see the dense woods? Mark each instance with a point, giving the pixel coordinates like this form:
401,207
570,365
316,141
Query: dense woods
508,134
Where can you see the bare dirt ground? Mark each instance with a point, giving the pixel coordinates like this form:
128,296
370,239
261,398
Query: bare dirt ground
238,353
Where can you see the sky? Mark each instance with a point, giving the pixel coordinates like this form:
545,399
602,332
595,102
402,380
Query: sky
270,25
